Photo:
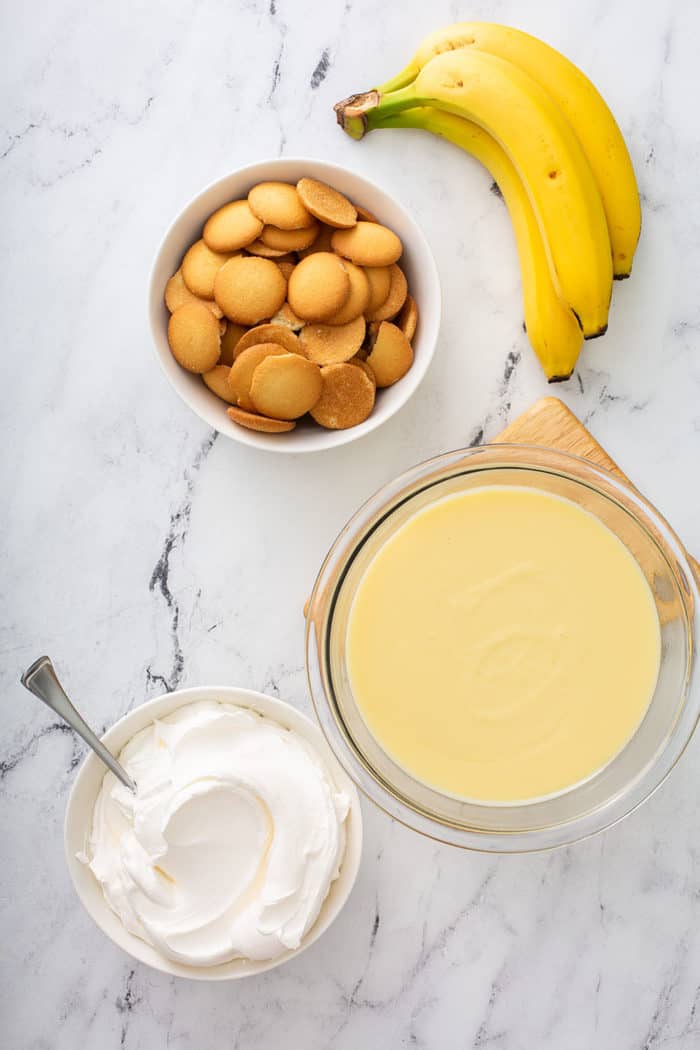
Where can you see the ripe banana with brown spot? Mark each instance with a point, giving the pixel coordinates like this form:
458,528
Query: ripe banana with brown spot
516,111
551,327
579,100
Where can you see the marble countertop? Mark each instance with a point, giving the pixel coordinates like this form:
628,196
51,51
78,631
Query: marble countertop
144,553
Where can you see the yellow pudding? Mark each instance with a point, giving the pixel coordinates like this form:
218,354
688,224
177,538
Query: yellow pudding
503,645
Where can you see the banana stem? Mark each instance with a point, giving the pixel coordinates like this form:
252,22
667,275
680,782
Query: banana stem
401,80
351,112
417,117
359,114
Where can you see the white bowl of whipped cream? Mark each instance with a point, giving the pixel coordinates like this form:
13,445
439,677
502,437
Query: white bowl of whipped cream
240,847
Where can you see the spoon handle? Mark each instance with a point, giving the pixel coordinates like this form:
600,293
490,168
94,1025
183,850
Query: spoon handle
42,680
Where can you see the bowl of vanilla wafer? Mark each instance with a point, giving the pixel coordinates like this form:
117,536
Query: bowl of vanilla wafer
294,305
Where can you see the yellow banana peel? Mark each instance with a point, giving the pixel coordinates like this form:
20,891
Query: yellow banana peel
579,100
538,139
552,328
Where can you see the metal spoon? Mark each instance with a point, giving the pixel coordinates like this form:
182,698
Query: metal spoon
42,680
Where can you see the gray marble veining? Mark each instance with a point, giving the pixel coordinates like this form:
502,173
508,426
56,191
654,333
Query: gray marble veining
144,553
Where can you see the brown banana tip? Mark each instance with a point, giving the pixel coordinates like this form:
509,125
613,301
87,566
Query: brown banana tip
351,112
598,334
560,379
339,108
621,276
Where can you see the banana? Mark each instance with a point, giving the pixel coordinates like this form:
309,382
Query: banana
551,326
581,103
540,142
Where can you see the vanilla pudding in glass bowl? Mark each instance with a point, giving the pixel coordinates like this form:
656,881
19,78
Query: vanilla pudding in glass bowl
500,646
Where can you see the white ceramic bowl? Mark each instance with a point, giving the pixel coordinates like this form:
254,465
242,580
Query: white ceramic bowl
417,262
84,794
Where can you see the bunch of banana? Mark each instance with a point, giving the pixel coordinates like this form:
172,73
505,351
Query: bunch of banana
551,144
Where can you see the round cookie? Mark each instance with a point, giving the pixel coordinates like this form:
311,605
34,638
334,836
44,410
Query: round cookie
177,294
200,266
229,341
260,248
360,363
217,381
326,203
252,421
285,387
408,318
358,298
364,215
240,374
279,204
398,289
368,244
286,316
319,287
269,333
231,227
347,397
391,355
194,337
332,344
249,290
290,240
321,244
379,278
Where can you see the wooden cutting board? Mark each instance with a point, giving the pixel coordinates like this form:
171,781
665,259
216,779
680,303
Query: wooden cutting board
549,422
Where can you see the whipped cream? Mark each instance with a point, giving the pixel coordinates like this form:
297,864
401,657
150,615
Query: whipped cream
230,846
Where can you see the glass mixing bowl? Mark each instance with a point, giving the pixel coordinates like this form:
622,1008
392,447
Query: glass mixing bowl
586,807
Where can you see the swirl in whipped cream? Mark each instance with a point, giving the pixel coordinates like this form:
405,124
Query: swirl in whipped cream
230,846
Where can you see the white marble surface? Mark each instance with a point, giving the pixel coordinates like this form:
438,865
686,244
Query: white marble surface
142,553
